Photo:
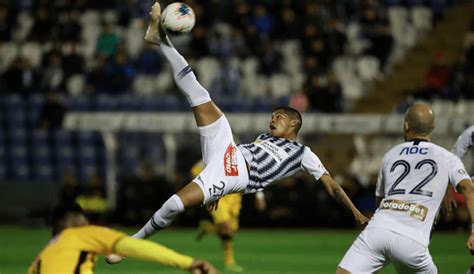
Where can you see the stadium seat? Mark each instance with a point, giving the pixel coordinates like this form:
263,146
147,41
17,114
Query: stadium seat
163,82
352,89
18,159
14,111
90,35
292,65
207,68
261,104
402,31
397,17
355,41
255,86
129,157
75,85
105,102
149,104
42,169
368,67
230,104
169,103
25,22
297,81
144,85
90,18
110,16
33,51
87,153
34,106
134,40
249,67
8,52
290,48
280,85
128,102
344,67
64,152
422,18
77,103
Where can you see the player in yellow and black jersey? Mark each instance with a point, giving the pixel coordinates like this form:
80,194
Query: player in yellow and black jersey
76,244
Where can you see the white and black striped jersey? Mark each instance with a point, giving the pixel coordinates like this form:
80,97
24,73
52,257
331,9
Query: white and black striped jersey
270,158
464,142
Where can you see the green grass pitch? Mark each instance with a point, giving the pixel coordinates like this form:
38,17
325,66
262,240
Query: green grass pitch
266,251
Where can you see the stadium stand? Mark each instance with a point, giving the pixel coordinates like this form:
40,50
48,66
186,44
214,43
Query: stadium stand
319,56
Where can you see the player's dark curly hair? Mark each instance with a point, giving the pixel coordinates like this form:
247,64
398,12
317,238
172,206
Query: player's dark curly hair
61,212
294,114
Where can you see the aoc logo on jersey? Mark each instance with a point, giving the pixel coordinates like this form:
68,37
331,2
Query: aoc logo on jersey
230,164
414,150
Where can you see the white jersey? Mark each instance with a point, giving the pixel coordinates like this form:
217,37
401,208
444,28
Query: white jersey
464,142
270,158
412,180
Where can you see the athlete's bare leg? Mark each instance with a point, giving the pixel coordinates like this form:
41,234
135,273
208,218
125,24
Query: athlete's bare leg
205,113
191,195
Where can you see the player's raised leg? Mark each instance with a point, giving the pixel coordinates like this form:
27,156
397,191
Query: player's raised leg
205,112
204,109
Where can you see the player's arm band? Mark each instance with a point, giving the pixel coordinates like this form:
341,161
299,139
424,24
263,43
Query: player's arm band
152,252
259,195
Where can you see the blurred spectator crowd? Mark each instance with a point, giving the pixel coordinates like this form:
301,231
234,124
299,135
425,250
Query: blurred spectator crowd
251,55
82,55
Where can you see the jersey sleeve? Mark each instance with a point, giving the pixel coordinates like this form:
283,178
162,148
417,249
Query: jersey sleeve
380,185
152,252
312,164
98,238
457,171
464,142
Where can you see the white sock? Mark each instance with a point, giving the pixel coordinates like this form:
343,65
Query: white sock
184,76
162,217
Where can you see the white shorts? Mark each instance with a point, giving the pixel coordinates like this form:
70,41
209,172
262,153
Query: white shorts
377,247
225,170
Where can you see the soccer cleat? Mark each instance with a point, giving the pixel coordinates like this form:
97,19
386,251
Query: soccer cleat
235,268
202,231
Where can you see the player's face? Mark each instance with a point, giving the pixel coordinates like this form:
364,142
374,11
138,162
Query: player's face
280,124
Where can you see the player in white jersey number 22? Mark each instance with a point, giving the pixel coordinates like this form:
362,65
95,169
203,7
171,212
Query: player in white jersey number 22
229,168
412,181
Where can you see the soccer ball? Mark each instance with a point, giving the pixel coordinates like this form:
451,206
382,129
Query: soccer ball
178,18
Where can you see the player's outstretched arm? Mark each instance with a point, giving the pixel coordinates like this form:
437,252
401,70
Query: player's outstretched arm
153,252
340,195
467,189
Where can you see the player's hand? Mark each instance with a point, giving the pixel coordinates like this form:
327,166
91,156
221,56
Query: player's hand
449,203
113,258
360,218
202,267
470,244
155,12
